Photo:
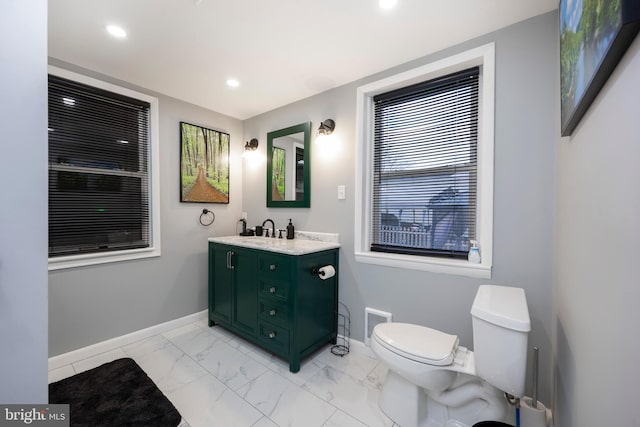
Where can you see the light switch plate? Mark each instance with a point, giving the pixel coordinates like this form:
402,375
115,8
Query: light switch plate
341,192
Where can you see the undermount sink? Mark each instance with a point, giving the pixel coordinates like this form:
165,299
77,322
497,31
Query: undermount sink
259,240
296,246
256,240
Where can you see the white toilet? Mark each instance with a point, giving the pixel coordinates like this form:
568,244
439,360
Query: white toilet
434,382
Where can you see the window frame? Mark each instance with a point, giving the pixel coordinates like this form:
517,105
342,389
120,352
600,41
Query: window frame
484,57
153,191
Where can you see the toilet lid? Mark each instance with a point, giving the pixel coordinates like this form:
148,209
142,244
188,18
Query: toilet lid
417,342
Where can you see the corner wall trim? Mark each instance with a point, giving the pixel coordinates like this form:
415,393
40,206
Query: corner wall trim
111,344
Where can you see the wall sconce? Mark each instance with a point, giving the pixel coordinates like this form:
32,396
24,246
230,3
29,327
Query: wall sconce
251,152
327,127
328,145
251,155
251,145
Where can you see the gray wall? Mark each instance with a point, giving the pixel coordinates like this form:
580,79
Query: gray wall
525,138
593,200
597,289
91,304
23,209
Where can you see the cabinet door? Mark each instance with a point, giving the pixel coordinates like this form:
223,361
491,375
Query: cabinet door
245,270
220,283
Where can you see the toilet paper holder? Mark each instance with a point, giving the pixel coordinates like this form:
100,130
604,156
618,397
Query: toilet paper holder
318,271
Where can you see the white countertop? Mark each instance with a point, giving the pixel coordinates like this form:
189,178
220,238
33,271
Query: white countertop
291,247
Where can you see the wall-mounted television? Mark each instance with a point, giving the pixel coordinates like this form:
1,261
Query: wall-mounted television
594,35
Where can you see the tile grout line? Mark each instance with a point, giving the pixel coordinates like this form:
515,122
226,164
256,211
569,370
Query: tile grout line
227,388
250,354
298,386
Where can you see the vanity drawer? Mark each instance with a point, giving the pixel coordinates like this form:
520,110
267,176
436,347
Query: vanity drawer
274,289
275,312
274,337
274,267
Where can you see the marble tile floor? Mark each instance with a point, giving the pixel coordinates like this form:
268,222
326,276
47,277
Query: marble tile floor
215,378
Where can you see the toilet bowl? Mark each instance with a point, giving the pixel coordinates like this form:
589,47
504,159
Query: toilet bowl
432,381
425,356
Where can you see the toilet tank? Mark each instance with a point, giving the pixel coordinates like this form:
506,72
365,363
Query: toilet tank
501,326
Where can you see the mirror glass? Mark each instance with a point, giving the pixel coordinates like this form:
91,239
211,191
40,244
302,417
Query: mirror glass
288,167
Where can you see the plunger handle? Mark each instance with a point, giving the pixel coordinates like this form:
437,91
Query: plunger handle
534,394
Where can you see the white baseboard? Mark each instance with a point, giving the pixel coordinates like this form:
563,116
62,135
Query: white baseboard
111,344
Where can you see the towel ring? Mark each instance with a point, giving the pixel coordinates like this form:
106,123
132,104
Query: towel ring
206,212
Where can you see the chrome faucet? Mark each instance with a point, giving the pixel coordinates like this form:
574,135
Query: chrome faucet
273,228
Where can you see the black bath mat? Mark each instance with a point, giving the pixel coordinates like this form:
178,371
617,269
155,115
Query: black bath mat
118,393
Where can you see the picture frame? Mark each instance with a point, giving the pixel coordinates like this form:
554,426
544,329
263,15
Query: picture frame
204,164
593,38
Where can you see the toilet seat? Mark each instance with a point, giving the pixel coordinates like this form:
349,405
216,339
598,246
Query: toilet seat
418,343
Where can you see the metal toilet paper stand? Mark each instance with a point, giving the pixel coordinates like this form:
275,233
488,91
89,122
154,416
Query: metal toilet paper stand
341,347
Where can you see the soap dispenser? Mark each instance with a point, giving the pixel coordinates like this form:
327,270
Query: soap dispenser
474,253
290,230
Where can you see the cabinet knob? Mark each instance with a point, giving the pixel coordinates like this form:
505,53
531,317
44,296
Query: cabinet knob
272,267
272,290
272,312
272,335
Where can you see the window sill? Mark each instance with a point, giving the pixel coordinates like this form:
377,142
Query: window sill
434,265
60,263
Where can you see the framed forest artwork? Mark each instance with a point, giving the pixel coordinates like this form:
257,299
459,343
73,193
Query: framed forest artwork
594,35
204,164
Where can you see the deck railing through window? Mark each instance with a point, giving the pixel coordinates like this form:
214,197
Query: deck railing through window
411,237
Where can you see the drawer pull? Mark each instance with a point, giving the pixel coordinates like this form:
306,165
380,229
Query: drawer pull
272,312
272,335
230,255
272,290
272,267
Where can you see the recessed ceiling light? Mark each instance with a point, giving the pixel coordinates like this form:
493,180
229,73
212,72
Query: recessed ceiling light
233,83
387,4
122,141
116,31
68,101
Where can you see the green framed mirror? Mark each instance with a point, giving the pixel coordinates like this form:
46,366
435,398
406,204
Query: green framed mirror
289,167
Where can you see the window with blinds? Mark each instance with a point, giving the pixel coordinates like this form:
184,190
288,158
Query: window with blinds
424,167
98,170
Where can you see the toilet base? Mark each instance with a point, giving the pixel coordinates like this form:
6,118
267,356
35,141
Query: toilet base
402,401
410,406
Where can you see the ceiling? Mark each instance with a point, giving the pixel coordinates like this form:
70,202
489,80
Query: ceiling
279,50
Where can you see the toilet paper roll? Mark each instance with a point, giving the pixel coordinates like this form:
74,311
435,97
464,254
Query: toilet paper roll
326,272
530,416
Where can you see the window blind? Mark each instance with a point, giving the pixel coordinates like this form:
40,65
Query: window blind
425,166
98,170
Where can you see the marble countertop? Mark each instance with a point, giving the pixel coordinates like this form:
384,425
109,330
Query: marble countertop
297,246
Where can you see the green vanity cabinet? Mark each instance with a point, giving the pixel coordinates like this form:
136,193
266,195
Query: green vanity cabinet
275,300
220,272
233,300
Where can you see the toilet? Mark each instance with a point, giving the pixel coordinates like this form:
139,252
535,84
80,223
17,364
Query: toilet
432,381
